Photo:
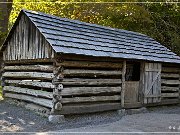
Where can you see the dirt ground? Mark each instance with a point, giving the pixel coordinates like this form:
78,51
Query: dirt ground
18,119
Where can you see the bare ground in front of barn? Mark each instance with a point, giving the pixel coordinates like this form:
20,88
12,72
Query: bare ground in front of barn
18,119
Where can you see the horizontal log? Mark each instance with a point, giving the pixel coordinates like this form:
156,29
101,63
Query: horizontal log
35,75
89,90
37,93
86,58
48,68
92,73
166,88
40,101
169,75
34,83
43,111
90,64
97,82
91,99
28,61
170,70
166,95
164,102
169,101
170,82
89,108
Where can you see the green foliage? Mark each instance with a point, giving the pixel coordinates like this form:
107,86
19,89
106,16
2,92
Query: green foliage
0,92
160,21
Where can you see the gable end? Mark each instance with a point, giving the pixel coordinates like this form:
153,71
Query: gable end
26,42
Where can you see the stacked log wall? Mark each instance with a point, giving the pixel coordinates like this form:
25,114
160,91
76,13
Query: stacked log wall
87,86
170,84
30,82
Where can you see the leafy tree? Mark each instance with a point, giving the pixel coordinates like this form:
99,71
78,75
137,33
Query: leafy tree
157,20
5,9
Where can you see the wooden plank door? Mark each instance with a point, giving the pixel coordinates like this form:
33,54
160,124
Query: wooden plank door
131,98
152,83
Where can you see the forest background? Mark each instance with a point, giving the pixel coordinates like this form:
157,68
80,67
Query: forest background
157,19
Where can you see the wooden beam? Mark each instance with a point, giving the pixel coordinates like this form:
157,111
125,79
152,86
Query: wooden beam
170,70
89,108
40,101
34,83
123,83
170,82
166,88
169,75
28,61
29,75
166,95
48,68
89,90
87,58
90,64
93,73
165,102
91,99
89,82
43,111
37,93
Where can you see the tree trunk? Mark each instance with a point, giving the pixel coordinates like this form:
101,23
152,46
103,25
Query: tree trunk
5,10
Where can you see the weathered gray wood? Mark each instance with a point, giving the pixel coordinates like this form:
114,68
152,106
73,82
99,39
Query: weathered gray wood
43,111
36,75
170,82
131,92
75,57
91,99
123,83
40,101
166,88
170,69
89,108
169,75
90,64
24,42
152,87
31,83
37,93
170,95
93,73
48,68
165,102
29,61
99,82
142,83
89,90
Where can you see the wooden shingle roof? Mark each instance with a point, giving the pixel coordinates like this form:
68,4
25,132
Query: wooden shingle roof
75,37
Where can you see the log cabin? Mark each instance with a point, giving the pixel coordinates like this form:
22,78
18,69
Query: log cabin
64,67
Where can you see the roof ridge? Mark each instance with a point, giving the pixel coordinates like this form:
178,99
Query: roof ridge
89,24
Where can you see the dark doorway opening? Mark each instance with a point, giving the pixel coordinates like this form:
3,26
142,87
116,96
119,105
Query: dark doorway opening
132,71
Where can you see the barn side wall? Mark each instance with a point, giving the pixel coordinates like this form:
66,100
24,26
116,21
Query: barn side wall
85,86
26,42
170,84
30,82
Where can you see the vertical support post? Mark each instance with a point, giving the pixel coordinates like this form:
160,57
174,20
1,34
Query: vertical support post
142,79
123,83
